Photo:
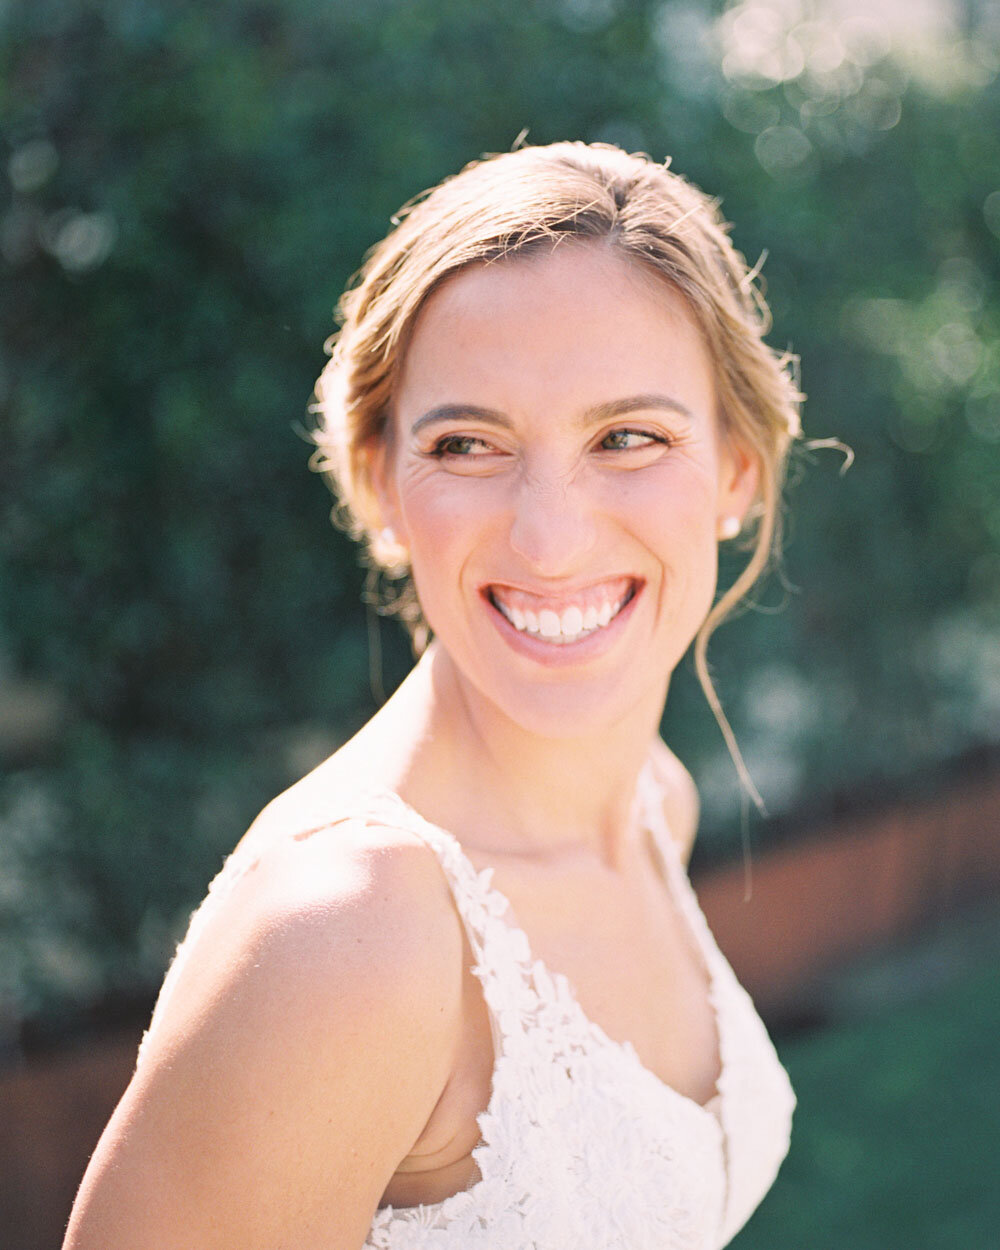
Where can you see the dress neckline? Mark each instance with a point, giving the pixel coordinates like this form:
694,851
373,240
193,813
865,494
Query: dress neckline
712,1113
670,869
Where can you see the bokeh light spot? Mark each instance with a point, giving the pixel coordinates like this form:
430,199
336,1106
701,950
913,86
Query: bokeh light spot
991,212
80,241
782,149
31,165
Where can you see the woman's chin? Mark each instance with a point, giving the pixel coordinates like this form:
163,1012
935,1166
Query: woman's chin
553,689
572,710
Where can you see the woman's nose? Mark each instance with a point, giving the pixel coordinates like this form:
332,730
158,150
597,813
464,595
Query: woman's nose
554,526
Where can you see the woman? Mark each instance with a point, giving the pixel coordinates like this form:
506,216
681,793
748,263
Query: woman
453,989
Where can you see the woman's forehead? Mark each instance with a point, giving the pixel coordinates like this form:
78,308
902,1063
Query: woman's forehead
568,264
577,317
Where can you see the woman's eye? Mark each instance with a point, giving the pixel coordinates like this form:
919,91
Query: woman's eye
460,445
629,440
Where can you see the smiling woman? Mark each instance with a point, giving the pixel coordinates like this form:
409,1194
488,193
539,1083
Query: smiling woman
453,988
591,478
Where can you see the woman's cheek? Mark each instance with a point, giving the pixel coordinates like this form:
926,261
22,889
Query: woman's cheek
682,501
444,507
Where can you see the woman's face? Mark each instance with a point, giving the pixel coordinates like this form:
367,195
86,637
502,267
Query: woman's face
556,470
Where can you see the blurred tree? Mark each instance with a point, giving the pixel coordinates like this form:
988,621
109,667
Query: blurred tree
189,188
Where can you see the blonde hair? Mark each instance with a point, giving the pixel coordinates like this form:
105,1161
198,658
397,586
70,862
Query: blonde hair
521,202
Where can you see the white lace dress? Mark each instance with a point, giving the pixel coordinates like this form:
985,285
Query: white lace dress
582,1147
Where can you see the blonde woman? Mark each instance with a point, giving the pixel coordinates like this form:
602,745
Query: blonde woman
453,989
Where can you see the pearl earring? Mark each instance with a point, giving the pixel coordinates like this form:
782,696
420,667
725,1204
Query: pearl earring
388,536
729,527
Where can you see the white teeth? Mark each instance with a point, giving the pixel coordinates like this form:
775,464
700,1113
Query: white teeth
549,625
573,623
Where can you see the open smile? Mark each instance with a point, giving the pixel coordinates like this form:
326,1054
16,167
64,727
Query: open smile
563,619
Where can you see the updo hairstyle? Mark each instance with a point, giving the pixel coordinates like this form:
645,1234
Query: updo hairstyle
522,203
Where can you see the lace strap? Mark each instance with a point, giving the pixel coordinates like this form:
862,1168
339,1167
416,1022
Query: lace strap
503,960
500,951
650,799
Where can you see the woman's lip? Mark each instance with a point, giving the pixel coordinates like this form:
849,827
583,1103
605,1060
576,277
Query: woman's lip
595,596
606,589
561,654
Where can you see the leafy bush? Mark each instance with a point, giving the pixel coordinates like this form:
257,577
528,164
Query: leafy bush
189,187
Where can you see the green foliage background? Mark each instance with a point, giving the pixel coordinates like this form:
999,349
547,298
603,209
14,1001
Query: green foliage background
188,189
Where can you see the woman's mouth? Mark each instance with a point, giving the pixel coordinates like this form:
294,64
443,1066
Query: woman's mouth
567,618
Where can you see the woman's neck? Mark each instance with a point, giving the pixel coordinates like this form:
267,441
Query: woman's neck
464,765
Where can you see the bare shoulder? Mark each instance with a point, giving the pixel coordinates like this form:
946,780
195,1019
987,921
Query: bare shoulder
304,1045
680,796
325,904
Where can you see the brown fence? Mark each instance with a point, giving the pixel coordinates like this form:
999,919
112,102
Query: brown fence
851,887
847,888
52,1111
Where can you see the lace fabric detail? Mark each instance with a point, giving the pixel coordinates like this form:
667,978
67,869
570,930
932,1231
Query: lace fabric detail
581,1146
756,1096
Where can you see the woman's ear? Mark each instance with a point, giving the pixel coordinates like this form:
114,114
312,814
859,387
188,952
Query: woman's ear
377,456
388,542
739,479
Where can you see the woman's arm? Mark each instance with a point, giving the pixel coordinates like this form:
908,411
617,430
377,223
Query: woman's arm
305,1045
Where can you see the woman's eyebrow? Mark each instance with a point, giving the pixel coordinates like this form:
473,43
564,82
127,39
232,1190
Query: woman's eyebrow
592,416
635,403
454,412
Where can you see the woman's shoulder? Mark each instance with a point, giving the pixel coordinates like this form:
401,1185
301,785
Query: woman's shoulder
354,869
321,906
678,794
315,1013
